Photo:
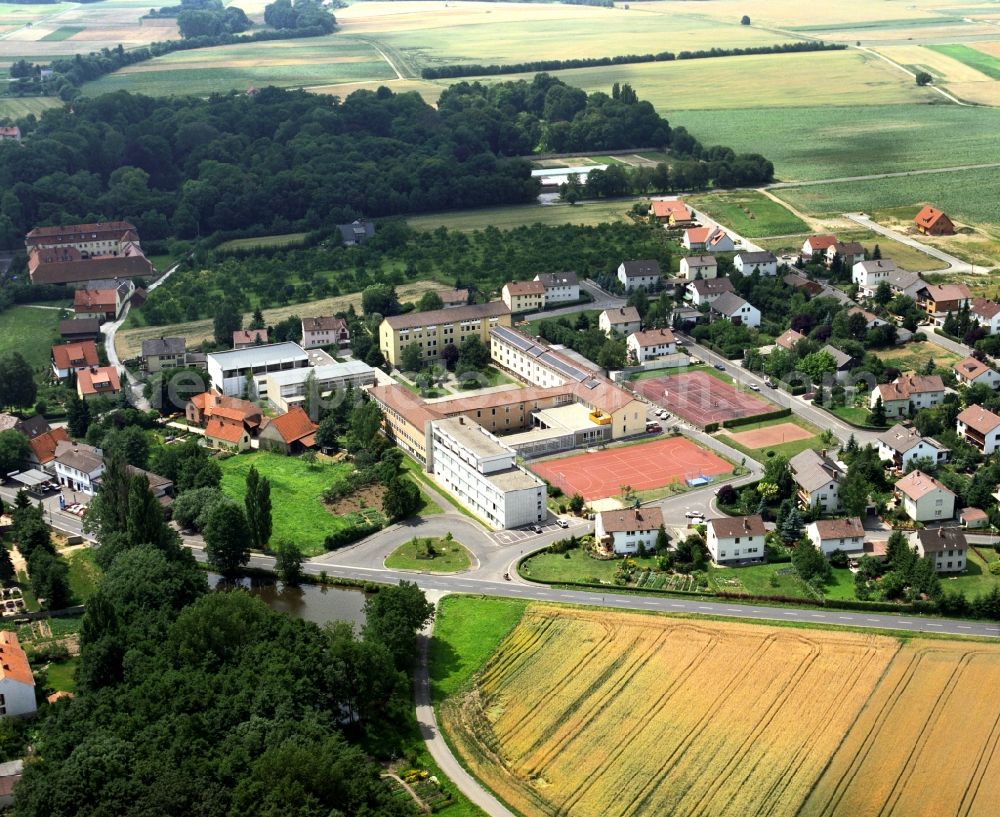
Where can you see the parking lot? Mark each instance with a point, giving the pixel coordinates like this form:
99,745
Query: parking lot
512,537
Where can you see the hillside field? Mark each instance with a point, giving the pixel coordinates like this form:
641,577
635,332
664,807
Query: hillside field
749,213
725,718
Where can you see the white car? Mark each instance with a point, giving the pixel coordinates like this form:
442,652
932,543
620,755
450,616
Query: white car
693,514
754,387
663,415
562,523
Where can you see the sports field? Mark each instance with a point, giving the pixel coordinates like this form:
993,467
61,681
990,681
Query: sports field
644,467
771,435
595,713
700,398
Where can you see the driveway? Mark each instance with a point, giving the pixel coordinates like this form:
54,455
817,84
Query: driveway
952,264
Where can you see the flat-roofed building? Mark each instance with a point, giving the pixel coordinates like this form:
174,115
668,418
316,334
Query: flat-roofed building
432,331
287,389
229,371
481,473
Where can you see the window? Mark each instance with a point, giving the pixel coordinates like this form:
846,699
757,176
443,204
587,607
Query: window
949,565
737,541
722,553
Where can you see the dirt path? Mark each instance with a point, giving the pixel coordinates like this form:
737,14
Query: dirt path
420,803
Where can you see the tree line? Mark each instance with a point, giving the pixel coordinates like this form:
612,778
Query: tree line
478,70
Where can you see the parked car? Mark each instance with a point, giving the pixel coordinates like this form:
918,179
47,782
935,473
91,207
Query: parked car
693,514
769,383
562,523
536,528
720,367
754,387
653,428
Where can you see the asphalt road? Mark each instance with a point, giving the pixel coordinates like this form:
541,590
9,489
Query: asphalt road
952,264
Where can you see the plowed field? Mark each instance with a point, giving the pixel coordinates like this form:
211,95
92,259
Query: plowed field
589,713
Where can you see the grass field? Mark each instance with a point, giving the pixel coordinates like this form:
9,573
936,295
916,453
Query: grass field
449,557
907,257
787,449
977,579
296,489
83,574
506,218
912,357
17,108
575,566
261,241
984,63
710,718
749,213
62,33
29,331
778,579
61,676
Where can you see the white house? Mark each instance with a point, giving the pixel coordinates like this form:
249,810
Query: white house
706,290
17,684
651,344
947,548
979,427
692,265
901,446
707,239
818,480
869,274
908,393
972,372
849,252
816,245
624,320
523,296
560,287
324,331
635,274
733,308
829,535
924,498
788,339
78,466
628,529
987,313
736,539
228,370
766,263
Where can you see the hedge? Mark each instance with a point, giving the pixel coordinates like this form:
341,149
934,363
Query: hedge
795,391
710,427
757,418
348,536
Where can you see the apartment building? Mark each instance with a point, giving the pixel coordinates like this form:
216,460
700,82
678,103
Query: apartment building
287,389
432,331
523,296
560,287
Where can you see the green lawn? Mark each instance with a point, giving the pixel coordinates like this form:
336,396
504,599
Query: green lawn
853,414
449,557
84,574
913,357
61,33
489,378
467,629
296,495
841,586
574,566
981,61
532,327
749,213
977,579
507,218
261,241
789,449
30,600
31,332
756,580
61,676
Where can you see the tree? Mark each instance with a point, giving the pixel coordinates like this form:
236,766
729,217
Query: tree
129,443
450,355
878,413
7,573
380,299
430,301
662,540
328,432
257,321
17,382
393,616
49,578
364,425
810,564
576,504
571,191
227,538
227,320
876,253
473,356
883,293
191,508
257,506
77,415
401,499
14,450
791,527
923,78
144,523
288,562
412,359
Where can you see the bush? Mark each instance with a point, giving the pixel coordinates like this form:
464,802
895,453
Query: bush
756,418
995,568
839,558
347,536
711,427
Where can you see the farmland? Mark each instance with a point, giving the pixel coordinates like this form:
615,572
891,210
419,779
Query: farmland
507,218
749,213
29,331
974,58
723,719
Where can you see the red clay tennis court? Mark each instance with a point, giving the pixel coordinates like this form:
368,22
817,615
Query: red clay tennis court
644,467
700,398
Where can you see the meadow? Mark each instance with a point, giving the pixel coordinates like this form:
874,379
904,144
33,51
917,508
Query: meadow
588,213
974,58
29,331
715,718
749,213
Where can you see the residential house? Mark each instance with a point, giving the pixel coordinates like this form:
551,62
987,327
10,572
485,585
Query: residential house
905,283
972,372
105,303
629,530
736,539
232,372
871,319
290,433
12,771
901,446
32,426
202,408
73,357
10,133
162,353
523,296
17,684
624,320
706,290
947,548
800,282
818,479
816,245
671,213
77,329
560,287
98,381
707,239
454,297
908,394
829,535
325,331
938,301
651,344
765,263
980,427
931,221
869,274
78,467
849,252
243,338
732,307
841,360
973,518
986,313
43,447
694,265
788,339
432,331
357,232
635,274
226,433
924,498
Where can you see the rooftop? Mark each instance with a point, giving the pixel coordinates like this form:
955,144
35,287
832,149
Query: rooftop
877,265
979,419
970,368
293,426
13,662
700,260
728,303
764,257
98,380
246,337
404,403
811,470
525,288
259,356
323,324
901,439
153,347
903,387
470,312
473,437
632,519
327,372
727,527
934,540
654,337
981,307
72,355
788,339
917,485
643,268
711,286
622,315
849,528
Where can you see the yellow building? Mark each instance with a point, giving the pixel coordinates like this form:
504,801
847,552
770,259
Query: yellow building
434,330
523,296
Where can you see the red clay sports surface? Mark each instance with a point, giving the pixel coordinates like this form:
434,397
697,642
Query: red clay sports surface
645,466
700,398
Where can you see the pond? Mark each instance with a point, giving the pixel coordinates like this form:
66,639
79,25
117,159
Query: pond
310,602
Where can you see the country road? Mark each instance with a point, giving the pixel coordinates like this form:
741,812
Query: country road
953,264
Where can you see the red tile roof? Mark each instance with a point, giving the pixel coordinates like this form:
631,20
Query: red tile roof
525,288
86,300
637,519
98,380
248,337
44,445
680,212
928,217
294,426
225,431
72,355
979,419
13,662
821,242
917,484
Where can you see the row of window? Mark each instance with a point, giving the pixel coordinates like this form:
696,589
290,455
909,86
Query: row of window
736,552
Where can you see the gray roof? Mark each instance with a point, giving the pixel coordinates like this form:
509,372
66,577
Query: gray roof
842,359
155,347
811,470
936,539
757,258
356,231
728,303
877,265
709,286
623,314
433,317
327,372
79,326
270,353
901,439
701,260
641,269
557,279
82,457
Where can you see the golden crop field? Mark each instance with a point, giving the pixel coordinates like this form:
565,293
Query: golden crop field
599,714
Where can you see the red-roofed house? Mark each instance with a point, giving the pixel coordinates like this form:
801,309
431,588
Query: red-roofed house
17,684
227,435
908,393
673,213
523,296
242,338
931,221
290,433
708,239
73,357
98,381
971,372
10,133
202,407
925,498
938,301
816,245
979,426
43,447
